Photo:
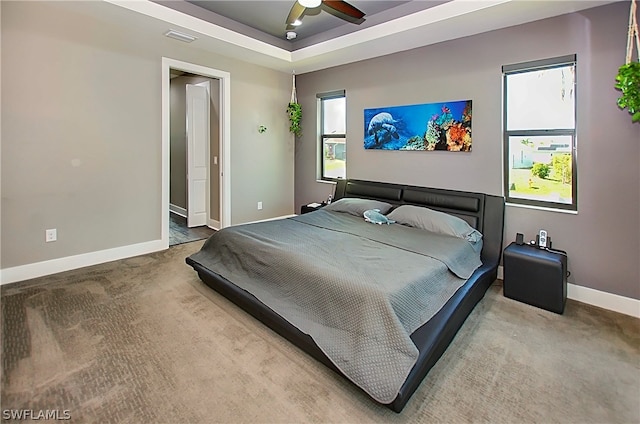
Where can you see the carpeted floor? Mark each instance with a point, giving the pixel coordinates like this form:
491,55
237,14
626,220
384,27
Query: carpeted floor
142,340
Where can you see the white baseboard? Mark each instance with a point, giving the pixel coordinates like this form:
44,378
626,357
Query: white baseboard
613,302
213,224
54,266
610,301
178,210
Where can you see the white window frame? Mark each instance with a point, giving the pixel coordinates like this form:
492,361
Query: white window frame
533,66
321,136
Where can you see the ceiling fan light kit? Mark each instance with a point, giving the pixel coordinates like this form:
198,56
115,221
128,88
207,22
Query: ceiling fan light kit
339,8
310,3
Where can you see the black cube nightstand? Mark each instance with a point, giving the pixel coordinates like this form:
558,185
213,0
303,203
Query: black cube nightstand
311,207
536,276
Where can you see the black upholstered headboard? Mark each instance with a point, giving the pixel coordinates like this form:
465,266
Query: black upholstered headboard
482,211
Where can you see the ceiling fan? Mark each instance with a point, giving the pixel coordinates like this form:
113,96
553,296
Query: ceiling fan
339,8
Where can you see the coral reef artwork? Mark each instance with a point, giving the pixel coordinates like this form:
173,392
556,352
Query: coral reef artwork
429,126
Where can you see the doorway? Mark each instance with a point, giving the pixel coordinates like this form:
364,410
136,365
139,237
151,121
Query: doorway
194,207
219,174
194,149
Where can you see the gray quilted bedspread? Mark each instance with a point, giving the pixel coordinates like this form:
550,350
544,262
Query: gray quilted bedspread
358,289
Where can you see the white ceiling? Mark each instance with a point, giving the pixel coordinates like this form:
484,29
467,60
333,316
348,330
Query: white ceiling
440,21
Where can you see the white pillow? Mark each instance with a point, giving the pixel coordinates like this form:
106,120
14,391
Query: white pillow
434,221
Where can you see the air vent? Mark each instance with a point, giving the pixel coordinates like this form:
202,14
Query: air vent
180,36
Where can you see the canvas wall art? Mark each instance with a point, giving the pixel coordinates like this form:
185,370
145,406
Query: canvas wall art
429,126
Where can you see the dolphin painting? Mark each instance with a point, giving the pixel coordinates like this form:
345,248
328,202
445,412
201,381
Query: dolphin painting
382,124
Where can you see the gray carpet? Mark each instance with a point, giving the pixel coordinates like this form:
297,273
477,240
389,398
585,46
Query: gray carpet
142,340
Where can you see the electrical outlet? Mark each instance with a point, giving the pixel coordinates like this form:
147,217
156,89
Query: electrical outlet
259,206
50,235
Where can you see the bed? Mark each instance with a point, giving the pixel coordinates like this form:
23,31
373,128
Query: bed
378,304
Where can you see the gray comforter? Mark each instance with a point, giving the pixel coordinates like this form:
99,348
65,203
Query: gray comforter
358,289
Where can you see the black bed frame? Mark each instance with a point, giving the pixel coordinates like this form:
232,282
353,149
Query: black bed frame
482,211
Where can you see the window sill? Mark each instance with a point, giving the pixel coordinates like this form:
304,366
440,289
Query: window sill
541,208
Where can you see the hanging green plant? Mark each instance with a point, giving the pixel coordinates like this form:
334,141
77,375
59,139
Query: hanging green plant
628,81
294,110
295,117
628,78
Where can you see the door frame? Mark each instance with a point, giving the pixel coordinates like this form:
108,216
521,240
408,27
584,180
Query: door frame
225,138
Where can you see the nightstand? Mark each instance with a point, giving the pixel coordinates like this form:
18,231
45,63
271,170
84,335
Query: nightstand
536,276
311,207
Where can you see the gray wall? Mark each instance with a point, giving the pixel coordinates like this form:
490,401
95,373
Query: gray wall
178,142
82,129
602,240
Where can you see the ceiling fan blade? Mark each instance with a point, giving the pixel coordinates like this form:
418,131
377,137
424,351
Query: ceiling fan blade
344,8
296,13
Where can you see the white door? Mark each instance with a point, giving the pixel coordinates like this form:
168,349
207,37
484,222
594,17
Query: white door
197,153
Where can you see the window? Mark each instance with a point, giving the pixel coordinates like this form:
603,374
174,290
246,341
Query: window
333,130
540,133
